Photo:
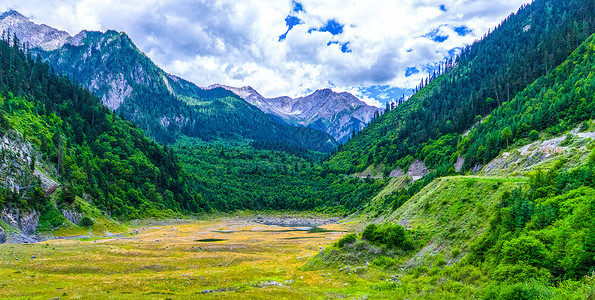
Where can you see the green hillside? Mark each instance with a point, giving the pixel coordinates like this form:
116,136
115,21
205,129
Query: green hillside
525,234
526,46
85,147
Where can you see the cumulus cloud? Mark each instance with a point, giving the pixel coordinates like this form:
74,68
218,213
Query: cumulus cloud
286,47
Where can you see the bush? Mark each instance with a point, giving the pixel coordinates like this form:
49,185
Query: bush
50,219
86,222
392,236
534,135
348,239
4,124
519,273
370,232
526,249
520,291
384,262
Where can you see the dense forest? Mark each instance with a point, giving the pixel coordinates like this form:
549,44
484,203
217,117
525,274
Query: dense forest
526,46
235,176
98,156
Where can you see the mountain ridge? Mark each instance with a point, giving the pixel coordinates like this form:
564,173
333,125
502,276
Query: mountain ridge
46,37
338,114
165,106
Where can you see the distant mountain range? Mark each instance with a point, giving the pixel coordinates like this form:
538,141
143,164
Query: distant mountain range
338,114
165,106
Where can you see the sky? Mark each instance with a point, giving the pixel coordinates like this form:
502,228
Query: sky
378,50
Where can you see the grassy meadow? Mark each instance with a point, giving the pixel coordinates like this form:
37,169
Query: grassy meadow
230,258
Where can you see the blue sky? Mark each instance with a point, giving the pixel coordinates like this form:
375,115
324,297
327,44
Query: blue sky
376,50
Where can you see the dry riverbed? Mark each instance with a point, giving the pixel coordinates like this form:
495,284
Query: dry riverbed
232,258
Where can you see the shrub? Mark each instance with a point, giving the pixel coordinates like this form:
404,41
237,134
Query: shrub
348,239
86,222
520,291
369,232
50,219
527,249
392,236
384,262
455,252
519,273
534,135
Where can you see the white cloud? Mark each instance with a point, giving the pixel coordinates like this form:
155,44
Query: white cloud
237,42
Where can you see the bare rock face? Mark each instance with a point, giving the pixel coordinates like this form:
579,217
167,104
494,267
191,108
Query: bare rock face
25,221
18,155
2,236
337,114
72,215
31,34
459,164
398,172
417,170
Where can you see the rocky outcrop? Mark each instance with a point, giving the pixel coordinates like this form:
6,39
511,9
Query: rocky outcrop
337,114
21,165
31,34
459,164
417,170
2,236
24,221
542,153
398,172
72,215
15,162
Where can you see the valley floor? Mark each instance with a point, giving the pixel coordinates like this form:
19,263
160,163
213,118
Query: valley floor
231,258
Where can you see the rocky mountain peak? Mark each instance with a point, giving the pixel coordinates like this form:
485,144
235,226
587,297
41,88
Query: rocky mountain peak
337,114
15,15
323,92
31,34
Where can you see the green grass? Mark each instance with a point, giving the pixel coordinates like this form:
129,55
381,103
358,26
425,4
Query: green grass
452,211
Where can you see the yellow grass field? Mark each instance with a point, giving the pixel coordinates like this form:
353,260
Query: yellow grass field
224,258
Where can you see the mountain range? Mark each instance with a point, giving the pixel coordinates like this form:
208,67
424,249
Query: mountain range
127,81
338,114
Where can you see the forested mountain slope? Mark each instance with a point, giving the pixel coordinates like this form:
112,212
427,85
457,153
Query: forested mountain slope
527,45
526,233
164,106
111,66
70,137
61,133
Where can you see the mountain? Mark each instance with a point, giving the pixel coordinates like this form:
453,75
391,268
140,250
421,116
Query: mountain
33,35
338,114
65,156
163,105
510,198
427,128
